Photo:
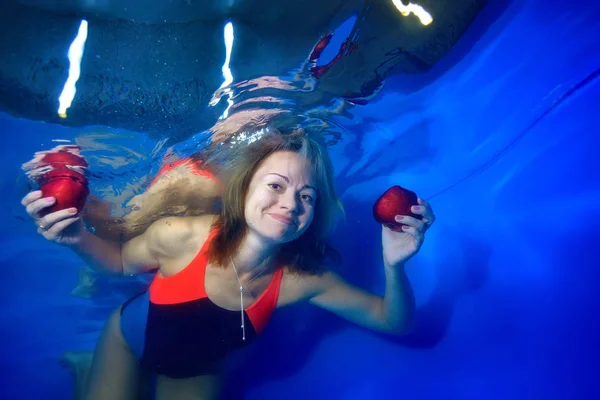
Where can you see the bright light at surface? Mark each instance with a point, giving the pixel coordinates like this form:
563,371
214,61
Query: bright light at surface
248,137
228,34
75,53
416,9
227,75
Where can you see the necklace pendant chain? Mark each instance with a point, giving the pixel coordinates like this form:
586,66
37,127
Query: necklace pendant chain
242,294
242,313
243,326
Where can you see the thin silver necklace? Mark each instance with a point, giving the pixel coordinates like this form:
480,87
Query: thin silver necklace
242,294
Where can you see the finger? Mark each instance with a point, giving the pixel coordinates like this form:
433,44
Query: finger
419,210
424,209
36,206
422,202
412,231
56,229
31,197
410,221
49,220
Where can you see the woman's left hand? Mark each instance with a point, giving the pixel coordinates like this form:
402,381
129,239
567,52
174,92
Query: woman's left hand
399,247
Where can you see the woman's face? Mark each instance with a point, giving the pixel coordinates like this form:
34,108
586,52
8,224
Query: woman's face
281,197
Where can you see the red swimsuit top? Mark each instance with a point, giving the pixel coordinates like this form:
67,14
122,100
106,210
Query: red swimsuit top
194,166
188,285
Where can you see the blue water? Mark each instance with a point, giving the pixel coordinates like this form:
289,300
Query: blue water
502,138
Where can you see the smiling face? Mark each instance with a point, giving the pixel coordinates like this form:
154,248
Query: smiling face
281,198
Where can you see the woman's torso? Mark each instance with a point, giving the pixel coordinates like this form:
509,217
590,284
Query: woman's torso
220,284
190,318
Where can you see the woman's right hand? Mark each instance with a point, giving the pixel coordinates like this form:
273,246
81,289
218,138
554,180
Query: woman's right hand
63,227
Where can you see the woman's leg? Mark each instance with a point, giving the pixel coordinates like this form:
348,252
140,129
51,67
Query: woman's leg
205,387
79,363
115,371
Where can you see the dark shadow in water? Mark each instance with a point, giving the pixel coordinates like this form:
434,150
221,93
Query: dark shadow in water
463,272
296,332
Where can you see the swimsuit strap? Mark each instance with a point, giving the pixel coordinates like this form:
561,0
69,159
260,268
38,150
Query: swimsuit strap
260,312
195,166
189,282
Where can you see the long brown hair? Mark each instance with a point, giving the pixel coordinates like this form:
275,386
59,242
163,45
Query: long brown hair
308,252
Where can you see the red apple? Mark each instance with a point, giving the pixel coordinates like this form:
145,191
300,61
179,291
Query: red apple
62,172
68,187
395,201
63,157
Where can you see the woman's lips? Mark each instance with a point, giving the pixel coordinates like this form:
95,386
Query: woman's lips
282,218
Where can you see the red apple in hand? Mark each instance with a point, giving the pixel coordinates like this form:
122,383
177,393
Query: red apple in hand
395,201
64,158
68,187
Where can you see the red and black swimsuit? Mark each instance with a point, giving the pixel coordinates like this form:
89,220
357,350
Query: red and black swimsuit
176,330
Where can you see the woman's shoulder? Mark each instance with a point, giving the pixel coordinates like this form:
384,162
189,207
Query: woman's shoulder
298,285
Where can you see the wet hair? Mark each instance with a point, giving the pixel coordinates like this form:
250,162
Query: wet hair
307,253
176,199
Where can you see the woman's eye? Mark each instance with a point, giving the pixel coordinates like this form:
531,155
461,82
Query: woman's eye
275,186
307,198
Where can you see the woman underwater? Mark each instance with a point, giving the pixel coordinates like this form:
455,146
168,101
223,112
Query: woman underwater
219,277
